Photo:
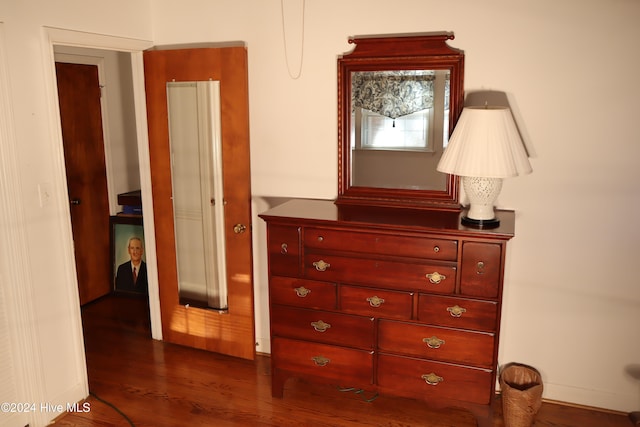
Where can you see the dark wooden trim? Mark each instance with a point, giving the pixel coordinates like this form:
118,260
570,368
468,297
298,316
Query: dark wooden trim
400,52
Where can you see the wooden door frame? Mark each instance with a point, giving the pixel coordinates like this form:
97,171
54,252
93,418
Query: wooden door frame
135,47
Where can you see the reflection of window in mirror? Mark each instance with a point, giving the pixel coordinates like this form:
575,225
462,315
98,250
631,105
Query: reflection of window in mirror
399,128
400,110
407,132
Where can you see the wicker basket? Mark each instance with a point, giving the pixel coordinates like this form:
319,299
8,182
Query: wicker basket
521,387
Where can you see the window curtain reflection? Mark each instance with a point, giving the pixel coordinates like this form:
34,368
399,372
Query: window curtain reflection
393,94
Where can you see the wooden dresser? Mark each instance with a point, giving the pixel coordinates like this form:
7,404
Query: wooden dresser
402,302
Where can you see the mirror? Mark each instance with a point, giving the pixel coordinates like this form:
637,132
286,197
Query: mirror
196,172
398,100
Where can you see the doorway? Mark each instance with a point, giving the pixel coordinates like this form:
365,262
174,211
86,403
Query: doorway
101,156
66,42
133,49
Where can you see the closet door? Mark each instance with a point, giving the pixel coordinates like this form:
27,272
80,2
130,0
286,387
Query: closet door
219,247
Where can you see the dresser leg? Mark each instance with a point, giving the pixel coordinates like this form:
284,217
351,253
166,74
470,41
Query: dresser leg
483,415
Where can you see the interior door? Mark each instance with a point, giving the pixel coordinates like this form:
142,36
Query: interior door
229,331
81,121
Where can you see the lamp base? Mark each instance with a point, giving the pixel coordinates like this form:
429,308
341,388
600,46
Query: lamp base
482,192
480,223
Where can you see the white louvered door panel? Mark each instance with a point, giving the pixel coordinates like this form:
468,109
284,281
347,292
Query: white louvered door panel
8,387
9,379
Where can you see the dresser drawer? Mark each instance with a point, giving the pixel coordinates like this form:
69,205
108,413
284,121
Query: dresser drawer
384,244
458,312
322,326
481,269
345,366
425,277
302,293
376,302
446,344
283,246
413,378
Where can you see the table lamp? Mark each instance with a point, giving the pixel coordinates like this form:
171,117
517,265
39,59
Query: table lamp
485,147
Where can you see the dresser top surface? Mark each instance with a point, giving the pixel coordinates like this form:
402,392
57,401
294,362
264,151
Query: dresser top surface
327,212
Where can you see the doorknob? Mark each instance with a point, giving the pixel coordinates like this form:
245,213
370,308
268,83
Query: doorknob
239,228
75,201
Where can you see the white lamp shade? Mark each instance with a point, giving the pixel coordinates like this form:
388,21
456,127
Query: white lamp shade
485,143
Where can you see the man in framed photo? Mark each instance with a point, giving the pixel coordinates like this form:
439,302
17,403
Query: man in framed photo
132,275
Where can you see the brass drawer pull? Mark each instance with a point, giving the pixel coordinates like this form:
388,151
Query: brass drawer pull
435,277
321,265
436,249
302,291
284,249
320,326
375,301
320,360
456,311
480,267
432,379
433,342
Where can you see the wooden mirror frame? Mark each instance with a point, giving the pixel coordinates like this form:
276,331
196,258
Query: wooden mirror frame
401,52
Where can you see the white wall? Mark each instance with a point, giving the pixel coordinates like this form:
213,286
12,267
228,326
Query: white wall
570,70
43,280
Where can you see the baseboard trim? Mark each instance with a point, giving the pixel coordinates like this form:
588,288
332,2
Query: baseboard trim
585,407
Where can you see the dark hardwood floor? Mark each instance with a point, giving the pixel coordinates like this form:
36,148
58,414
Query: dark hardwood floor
135,380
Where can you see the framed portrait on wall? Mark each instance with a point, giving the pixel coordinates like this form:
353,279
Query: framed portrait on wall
128,261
